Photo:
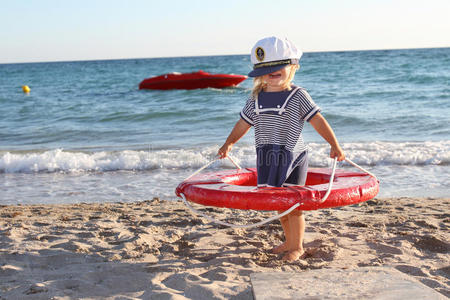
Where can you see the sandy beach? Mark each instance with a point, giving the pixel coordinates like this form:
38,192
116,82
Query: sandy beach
157,250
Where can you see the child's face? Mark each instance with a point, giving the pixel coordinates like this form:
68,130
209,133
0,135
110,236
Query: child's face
275,81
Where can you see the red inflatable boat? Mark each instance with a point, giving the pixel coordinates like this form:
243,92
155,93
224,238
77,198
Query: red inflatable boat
237,189
190,81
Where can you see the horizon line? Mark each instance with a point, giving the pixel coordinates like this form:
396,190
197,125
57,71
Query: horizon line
187,56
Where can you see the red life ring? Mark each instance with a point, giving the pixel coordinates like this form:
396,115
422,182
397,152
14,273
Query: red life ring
237,189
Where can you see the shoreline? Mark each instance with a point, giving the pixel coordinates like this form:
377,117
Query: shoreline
156,248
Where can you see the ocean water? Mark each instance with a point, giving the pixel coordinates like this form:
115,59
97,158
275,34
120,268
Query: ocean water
85,133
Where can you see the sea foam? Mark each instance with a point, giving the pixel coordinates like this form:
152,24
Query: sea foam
365,154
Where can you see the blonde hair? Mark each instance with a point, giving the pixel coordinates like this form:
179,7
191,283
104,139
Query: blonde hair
259,84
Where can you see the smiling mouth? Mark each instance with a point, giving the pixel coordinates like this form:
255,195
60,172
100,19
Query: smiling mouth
274,75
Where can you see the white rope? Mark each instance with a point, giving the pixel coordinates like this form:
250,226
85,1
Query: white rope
270,219
234,163
330,184
210,163
193,210
361,168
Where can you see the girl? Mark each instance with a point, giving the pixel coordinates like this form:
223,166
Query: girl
277,110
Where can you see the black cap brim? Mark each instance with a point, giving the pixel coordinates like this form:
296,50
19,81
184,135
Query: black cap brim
266,70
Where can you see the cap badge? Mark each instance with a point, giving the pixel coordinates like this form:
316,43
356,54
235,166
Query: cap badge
259,53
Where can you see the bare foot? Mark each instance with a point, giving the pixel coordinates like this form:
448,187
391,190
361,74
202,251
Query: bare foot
293,255
280,249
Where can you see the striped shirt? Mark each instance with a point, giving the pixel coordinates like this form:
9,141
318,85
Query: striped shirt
278,119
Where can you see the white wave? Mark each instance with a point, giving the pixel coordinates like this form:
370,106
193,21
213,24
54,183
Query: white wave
59,160
369,154
389,153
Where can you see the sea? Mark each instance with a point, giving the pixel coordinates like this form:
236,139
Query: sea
86,133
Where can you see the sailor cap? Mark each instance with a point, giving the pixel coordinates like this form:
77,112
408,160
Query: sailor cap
272,54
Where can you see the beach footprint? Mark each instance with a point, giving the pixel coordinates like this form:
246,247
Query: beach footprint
321,250
432,244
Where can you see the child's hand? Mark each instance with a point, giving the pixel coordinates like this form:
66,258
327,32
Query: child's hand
224,150
337,152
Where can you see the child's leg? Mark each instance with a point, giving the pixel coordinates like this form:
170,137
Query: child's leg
296,233
295,228
285,245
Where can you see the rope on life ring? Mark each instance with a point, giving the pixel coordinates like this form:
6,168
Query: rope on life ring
270,219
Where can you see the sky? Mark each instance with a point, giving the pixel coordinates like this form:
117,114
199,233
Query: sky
67,30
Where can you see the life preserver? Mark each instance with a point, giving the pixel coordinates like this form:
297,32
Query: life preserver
237,189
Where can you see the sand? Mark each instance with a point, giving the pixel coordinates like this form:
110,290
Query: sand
157,250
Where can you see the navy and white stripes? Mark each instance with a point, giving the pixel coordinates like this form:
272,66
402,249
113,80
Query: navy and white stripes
280,129
278,119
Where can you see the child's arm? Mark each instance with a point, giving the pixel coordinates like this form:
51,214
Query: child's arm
239,130
324,129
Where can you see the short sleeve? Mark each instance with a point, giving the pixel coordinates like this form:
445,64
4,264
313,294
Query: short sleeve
248,112
308,108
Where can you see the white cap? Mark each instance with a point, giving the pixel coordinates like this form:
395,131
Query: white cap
272,54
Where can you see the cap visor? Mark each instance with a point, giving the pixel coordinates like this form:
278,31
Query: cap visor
265,70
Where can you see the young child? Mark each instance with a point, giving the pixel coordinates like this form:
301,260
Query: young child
277,110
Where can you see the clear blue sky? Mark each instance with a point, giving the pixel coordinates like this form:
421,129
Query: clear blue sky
55,30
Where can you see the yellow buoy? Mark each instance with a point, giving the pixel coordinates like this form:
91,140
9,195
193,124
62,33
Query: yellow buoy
25,89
